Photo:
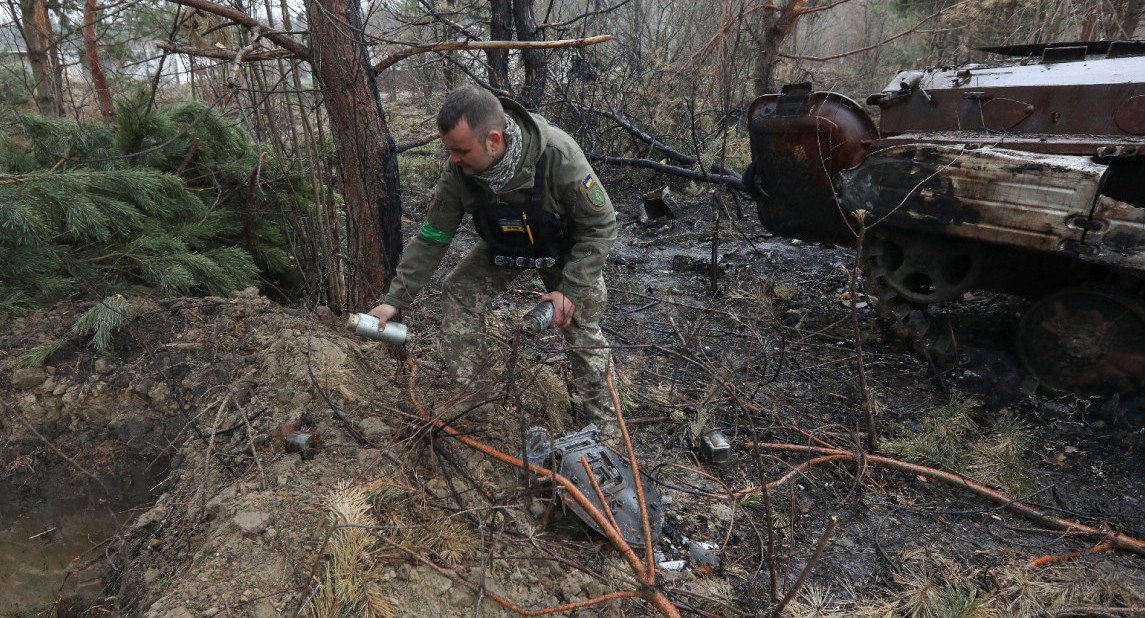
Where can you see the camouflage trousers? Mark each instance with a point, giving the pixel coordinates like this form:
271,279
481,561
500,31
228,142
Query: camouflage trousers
466,295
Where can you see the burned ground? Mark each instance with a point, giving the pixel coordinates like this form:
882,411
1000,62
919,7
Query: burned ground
176,439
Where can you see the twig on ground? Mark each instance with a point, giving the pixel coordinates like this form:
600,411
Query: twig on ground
1052,558
819,547
1115,539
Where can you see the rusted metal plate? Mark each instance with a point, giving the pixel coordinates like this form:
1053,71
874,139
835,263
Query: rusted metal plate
1130,115
1117,235
992,195
799,140
1086,145
1055,98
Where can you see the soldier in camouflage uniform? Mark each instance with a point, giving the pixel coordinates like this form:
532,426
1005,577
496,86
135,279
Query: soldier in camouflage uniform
536,204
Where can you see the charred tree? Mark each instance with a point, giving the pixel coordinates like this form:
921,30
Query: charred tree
505,18
500,29
1130,15
777,24
536,66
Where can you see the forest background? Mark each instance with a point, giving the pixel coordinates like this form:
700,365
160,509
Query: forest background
187,146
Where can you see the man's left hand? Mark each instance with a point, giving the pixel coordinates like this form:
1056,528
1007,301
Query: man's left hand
563,308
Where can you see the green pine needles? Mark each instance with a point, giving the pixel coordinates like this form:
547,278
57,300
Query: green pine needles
171,201
102,320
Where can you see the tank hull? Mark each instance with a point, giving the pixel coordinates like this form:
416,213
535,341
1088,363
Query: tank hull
1021,176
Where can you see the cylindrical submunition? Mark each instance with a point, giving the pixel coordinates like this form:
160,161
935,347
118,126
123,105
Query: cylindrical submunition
539,318
366,325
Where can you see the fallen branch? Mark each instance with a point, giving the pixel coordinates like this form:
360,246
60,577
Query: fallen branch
1115,539
656,144
791,474
734,181
1092,611
650,576
222,54
819,547
415,143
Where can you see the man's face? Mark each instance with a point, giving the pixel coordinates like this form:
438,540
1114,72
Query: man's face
471,154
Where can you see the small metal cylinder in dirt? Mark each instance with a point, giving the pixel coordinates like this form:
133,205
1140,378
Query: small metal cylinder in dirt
301,442
539,318
366,325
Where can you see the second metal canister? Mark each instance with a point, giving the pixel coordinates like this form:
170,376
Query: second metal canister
539,318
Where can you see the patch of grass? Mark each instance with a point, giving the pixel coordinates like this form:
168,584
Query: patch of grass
351,584
989,453
420,170
415,525
958,603
933,585
929,584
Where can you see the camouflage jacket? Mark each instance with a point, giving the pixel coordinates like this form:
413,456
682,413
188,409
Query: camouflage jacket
571,190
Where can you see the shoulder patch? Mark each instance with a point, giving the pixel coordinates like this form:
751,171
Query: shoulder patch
593,192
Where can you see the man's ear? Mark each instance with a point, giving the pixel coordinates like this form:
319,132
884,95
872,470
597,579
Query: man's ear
495,142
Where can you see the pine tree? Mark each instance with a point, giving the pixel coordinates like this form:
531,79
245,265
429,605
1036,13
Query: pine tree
171,201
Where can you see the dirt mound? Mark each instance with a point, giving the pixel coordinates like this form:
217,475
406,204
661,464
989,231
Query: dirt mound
205,392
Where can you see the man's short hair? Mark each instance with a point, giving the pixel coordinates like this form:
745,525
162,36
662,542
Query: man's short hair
479,107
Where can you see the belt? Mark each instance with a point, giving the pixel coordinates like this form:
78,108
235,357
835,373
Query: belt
524,262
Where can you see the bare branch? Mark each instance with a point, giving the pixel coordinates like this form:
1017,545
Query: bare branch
880,43
585,15
393,59
283,41
222,54
733,180
415,143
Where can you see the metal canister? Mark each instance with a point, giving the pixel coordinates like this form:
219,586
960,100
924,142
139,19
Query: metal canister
715,448
539,318
301,442
366,325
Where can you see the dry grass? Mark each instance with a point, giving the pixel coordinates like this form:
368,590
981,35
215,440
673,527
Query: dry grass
950,438
927,584
340,381
412,523
350,584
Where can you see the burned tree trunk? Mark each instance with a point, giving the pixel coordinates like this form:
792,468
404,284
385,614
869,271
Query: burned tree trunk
536,67
1130,14
500,29
368,165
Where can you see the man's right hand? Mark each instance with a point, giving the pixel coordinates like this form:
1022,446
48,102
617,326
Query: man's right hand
384,313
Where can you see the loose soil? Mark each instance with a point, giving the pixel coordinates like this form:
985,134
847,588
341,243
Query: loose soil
154,479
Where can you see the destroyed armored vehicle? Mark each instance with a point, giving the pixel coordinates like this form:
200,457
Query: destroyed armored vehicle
1024,176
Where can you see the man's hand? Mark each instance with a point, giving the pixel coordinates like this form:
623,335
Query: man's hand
563,308
384,313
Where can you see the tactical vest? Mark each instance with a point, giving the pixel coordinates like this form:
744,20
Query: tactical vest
522,235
